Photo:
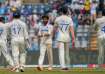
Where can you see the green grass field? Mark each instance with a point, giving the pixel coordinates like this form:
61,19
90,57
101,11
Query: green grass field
56,71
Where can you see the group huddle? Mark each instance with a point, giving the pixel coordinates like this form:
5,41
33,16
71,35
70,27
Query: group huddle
16,30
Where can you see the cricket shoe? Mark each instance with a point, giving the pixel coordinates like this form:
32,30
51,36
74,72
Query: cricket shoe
21,69
49,69
40,68
14,69
65,69
17,70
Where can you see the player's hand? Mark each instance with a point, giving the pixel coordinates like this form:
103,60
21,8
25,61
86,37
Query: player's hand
46,35
40,36
33,38
28,44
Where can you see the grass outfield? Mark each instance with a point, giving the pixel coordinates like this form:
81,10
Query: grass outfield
57,71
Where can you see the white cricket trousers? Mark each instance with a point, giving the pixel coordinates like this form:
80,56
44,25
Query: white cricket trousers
5,52
43,49
64,57
19,53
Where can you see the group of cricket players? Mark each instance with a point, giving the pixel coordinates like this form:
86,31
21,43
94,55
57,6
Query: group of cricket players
17,31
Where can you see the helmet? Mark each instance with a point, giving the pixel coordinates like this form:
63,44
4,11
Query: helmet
13,9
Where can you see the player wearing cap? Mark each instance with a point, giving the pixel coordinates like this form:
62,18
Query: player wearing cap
19,38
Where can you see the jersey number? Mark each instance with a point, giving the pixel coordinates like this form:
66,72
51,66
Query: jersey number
64,27
16,30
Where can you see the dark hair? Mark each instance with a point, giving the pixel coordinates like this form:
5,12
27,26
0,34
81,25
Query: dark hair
63,10
103,12
45,16
16,15
2,19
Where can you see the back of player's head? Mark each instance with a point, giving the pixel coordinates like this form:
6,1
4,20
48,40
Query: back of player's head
45,17
103,12
16,15
2,19
63,10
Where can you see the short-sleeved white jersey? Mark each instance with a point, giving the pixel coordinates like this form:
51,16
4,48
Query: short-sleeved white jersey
63,23
100,22
18,30
3,31
48,29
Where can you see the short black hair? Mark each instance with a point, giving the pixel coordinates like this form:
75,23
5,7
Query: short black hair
45,16
103,12
2,19
63,10
16,15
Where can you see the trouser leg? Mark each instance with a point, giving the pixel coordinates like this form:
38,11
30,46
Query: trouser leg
15,53
50,55
42,54
7,55
61,54
67,54
101,51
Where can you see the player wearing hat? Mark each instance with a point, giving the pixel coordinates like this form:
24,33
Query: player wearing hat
19,36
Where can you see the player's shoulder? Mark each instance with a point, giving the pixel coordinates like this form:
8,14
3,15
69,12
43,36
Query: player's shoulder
7,24
50,26
58,18
21,22
100,20
68,18
40,26
1,23
65,17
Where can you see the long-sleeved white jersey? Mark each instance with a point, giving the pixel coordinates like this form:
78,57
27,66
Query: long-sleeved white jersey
100,23
3,31
18,30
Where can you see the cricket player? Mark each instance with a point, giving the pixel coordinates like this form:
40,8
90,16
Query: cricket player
100,28
3,42
19,39
45,35
63,26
